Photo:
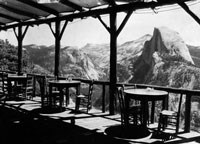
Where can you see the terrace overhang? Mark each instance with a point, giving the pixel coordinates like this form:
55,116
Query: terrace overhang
36,12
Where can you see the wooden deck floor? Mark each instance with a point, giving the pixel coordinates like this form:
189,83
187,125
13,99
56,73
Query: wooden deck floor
26,122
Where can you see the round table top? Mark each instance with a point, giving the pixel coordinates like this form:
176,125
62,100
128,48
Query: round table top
64,82
17,76
147,93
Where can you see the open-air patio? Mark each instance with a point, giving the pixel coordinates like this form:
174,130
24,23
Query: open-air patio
27,120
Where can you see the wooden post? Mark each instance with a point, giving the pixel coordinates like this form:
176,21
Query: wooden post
57,48
20,39
58,35
103,97
113,59
114,32
20,36
187,112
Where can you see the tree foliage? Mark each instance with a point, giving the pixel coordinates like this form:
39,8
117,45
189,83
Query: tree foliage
9,57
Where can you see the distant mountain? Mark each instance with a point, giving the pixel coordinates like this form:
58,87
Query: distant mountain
73,61
195,54
156,59
166,61
126,52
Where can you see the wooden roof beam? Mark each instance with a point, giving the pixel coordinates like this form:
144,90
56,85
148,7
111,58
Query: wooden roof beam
117,8
111,2
9,17
39,6
72,5
187,9
20,12
1,23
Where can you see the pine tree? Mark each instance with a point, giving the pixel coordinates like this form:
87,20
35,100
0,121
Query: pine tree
9,57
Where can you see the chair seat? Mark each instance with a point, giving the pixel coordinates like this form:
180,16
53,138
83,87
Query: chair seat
169,113
81,96
55,92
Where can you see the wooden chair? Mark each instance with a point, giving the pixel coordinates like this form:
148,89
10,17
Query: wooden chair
85,100
4,85
1,85
43,91
134,112
29,87
168,117
55,94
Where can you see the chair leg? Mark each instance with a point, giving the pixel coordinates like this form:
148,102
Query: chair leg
159,123
135,119
77,104
89,107
162,123
177,126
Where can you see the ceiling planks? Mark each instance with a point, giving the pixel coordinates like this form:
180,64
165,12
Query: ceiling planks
40,6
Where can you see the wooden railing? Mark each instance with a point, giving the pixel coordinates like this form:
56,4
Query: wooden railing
188,94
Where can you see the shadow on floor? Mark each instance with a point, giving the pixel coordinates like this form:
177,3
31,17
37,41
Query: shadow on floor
128,132
48,110
28,127
24,128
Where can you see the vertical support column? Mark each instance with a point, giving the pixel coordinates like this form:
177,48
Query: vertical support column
57,48
20,39
113,59
58,35
20,36
114,32
187,112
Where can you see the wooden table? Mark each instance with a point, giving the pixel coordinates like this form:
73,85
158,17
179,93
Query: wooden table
61,85
15,82
144,95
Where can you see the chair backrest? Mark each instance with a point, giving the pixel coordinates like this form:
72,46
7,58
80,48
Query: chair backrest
120,96
47,79
179,105
29,86
90,91
1,84
30,80
4,78
132,101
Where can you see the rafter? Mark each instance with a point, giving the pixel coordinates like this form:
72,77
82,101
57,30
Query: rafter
1,23
20,12
102,11
72,5
187,9
39,6
9,17
129,13
111,2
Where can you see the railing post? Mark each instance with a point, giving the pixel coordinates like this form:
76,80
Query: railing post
187,112
103,97
34,85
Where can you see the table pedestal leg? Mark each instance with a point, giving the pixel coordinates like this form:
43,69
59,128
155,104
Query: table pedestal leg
67,96
50,96
152,111
126,115
145,112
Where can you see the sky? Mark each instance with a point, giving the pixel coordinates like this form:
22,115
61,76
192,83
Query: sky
90,30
